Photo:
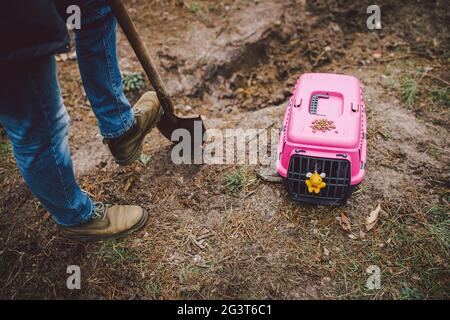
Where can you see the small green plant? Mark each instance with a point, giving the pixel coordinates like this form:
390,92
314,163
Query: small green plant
235,181
411,294
194,8
116,252
188,273
153,288
438,226
442,96
133,81
409,90
4,148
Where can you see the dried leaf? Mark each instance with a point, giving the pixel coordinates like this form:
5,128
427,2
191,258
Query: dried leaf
72,56
128,183
377,55
345,222
144,159
62,57
372,219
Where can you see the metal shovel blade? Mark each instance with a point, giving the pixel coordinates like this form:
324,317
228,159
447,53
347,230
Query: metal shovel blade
193,124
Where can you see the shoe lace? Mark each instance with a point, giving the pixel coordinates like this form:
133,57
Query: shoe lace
99,208
99,211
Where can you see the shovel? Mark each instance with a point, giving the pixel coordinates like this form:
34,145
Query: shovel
169,121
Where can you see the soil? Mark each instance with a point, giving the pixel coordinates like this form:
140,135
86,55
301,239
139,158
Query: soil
236,63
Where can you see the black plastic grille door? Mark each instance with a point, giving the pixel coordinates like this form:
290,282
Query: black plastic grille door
337,179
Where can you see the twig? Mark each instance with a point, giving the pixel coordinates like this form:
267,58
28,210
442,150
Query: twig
438,79
395,58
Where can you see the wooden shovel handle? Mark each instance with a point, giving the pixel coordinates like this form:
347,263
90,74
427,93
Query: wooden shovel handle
128,27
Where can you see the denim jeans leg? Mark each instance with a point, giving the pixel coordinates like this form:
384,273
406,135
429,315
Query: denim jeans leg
36,122
97,58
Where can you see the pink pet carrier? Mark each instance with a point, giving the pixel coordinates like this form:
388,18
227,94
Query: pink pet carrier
323,141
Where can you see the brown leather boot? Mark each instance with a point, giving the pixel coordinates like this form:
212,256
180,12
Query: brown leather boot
127,148
108,222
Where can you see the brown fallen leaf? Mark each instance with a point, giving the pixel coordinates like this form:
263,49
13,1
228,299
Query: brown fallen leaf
372,219
362,234
377,55
62,57
345,222
129,181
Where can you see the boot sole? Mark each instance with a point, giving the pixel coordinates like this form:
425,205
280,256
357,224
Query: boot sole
137,152
116,236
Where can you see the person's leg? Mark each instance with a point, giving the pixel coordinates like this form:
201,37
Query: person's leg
97,58
123,130
36,122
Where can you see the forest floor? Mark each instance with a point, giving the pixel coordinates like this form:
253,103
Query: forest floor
236,63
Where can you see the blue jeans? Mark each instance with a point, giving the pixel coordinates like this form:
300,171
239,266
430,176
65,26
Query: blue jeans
36,120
